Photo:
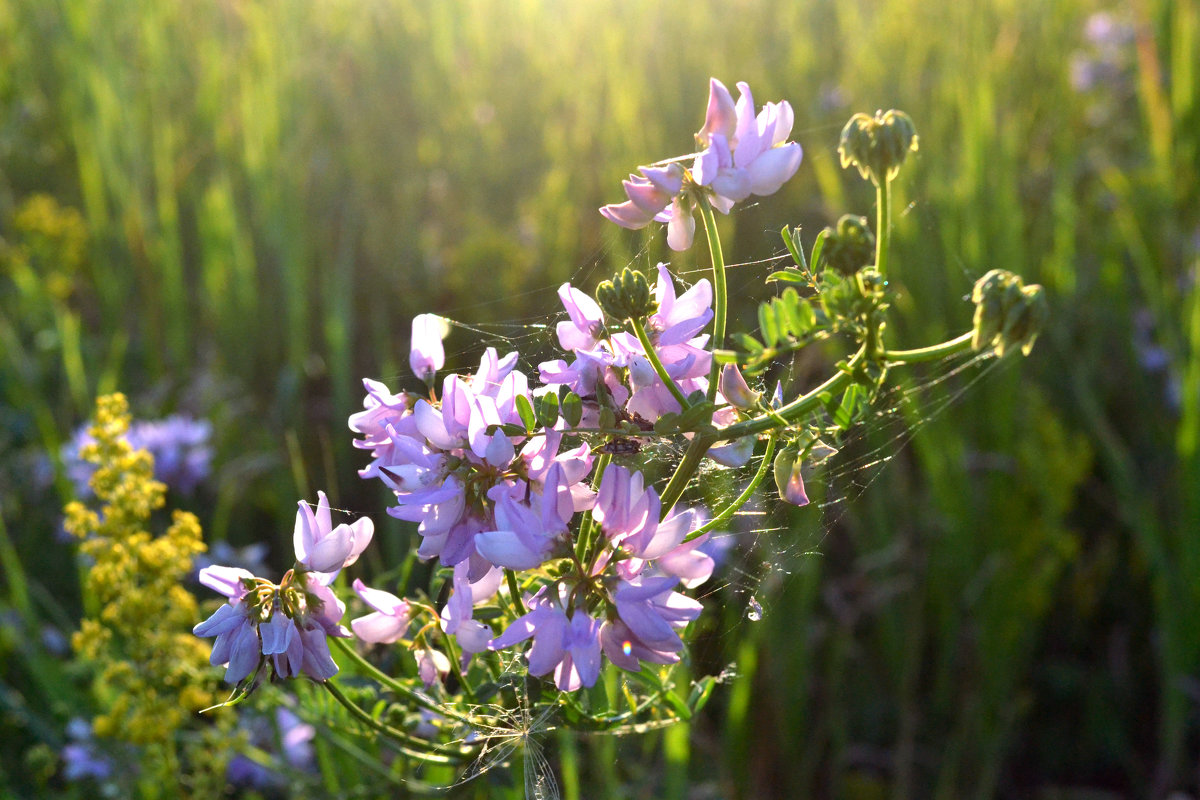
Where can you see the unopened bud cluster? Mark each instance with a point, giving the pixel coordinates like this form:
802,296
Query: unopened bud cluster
1008,313
849,246
626,296
877,145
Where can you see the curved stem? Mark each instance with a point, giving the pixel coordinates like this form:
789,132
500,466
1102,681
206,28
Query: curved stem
883,225
652,357
408,744
931,353
797,408
686,469
720,292
514,591
743,498
399,688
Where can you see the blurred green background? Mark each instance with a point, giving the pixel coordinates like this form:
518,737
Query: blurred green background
233,208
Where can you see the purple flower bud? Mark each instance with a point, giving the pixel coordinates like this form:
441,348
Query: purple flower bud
735,390
427,356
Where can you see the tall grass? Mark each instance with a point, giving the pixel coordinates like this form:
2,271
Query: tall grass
272,191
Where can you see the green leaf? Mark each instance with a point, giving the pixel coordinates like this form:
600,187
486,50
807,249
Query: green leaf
818,246
700,694
667,424
844,417
525,411
572,409
792,241
725,356
676,702
788,276
786,307
547,409
767,324
696,417
748,343
608,420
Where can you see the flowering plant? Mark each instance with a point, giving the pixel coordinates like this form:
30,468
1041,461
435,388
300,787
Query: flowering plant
560,551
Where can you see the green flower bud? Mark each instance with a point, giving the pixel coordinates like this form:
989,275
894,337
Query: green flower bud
877,145
1007,312
626,296
850,246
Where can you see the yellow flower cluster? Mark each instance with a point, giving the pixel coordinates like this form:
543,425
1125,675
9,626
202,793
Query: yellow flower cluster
152,673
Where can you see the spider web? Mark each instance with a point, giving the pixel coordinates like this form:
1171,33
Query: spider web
758,543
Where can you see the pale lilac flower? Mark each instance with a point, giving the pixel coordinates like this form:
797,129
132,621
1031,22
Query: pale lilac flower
793,489
236,644
654,196
744,154
287,624
472,636
628,514
528,534
387,623
626,650
672,332
432,666
653,610
426,356
431,453
570,646
324,549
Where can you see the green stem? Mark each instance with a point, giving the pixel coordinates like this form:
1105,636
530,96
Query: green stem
932,353
796,409
399,688
515,591
409,745
883,225
652,357
720,292
743,498
699,445
587,526
810,401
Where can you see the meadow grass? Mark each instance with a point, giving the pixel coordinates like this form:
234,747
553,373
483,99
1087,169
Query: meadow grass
271,191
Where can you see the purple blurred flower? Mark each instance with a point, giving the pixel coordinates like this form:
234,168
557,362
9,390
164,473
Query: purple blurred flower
294,738
81,758
179,444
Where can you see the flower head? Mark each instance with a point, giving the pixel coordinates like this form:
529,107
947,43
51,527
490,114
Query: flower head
743,155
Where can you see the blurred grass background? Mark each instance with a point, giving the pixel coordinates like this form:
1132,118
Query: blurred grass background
234,208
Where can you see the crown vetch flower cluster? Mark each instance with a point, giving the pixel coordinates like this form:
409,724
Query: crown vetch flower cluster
286,625
742,154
